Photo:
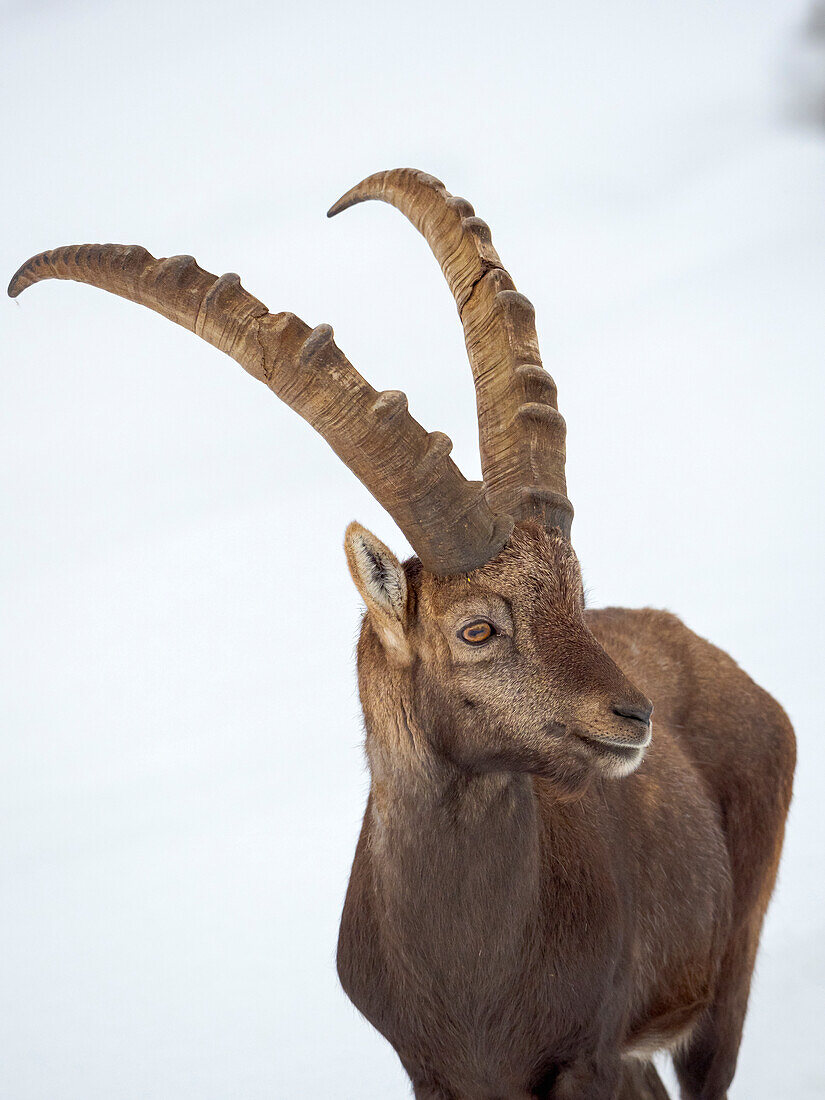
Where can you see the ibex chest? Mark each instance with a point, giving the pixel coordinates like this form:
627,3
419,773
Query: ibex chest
458,943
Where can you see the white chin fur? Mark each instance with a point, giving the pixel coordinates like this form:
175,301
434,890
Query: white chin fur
616,765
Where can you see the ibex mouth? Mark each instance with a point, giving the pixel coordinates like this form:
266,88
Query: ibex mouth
626,751
630,755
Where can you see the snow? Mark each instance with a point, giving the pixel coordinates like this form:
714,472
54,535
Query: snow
179,726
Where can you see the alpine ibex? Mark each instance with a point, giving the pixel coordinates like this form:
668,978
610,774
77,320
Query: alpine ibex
542,896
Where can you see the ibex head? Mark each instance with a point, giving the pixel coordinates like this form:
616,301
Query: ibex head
494,671
483,637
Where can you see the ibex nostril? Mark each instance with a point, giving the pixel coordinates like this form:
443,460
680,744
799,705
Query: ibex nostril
639,713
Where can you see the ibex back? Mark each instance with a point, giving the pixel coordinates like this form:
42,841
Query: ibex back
545,892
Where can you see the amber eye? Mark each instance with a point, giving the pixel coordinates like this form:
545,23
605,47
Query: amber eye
477,632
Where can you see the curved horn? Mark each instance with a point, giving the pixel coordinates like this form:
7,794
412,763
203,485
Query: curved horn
521,432
446,519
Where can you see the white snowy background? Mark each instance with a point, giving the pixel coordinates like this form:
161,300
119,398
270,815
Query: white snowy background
181,769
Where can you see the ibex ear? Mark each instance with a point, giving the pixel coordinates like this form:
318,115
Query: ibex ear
379,577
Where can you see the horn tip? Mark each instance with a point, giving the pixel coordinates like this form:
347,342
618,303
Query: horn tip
383,185
351,198
32,271
21,279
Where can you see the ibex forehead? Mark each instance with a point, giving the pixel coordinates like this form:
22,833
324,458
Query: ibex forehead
534,559
532,585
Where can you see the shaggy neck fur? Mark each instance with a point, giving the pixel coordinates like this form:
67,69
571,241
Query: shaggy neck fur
455,860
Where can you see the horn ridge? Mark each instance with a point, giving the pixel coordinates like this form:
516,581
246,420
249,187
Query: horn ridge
447,519
517,452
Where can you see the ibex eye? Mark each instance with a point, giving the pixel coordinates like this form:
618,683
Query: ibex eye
477,632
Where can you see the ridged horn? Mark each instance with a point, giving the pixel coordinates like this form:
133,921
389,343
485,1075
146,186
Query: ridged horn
446,518
521,432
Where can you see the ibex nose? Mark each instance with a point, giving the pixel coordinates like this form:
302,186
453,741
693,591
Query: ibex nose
637,712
